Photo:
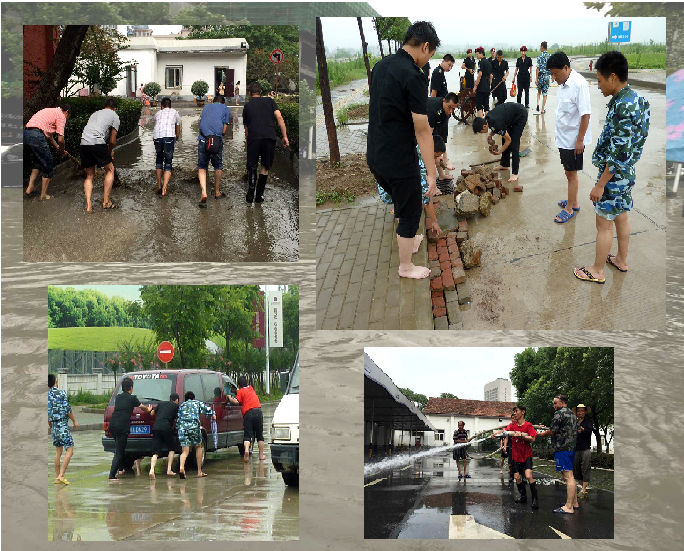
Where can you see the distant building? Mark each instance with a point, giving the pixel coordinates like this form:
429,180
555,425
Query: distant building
498,391
138,30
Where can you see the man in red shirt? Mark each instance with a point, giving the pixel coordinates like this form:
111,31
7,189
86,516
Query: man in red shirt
521,440
251,412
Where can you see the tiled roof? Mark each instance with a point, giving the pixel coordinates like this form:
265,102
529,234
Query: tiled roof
473,408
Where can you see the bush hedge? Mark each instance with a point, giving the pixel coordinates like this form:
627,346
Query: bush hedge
290,112
81,109
602,460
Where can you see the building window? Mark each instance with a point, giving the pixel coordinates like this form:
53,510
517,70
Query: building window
174,76
439,436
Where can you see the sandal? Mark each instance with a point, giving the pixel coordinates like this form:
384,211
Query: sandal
109,206
203,203
32,194
588,274
610,261
565,202
221,195
564,217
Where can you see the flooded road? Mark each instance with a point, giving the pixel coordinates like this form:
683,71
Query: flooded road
235,501
426,500
148,228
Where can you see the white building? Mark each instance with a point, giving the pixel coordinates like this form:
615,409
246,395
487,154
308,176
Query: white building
176,64
498,391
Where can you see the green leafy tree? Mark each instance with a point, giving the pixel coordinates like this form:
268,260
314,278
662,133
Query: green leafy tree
152,89
419,399
291,319
448,395
199,88
234,309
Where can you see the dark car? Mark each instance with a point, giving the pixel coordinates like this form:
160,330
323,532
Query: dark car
151,387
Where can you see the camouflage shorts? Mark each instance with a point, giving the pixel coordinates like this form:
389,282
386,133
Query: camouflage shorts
189,436
543,82
616,198
61,436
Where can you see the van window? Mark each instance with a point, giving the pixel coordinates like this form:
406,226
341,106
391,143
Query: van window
212,386
229,386
293,387
194,383
150,386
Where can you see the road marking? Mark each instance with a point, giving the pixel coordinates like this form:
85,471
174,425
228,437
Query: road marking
465,527
561,534
374,482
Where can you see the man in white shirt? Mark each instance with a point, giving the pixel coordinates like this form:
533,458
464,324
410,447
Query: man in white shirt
573,109
166,132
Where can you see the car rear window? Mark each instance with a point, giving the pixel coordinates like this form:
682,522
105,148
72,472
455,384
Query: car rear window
150,386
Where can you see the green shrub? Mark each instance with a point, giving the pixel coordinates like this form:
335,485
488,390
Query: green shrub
602,460
290,112
85,397
199,88
265,86
152,89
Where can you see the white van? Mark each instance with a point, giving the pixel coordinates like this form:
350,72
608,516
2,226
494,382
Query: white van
285,428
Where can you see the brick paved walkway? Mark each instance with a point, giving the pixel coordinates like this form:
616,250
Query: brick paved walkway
357,285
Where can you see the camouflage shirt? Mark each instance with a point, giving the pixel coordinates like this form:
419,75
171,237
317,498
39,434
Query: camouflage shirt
564,426
624,134
58,405
189,414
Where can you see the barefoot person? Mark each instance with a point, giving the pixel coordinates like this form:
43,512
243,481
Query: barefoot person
253,417
618,149
398,119
59,413
189,433
439,111
165,414
507,120
461,437
97,145
213,126
573,131
167,125
563,432
41,129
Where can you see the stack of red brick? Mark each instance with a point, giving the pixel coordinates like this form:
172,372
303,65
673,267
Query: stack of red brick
446,266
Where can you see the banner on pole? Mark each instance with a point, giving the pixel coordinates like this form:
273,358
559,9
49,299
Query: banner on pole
275,319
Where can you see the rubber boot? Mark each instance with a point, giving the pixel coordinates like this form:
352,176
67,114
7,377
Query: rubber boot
261,186
523,493
252,179
535,498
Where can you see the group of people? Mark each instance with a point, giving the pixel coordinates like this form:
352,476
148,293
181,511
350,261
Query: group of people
98,140
406,127
167,414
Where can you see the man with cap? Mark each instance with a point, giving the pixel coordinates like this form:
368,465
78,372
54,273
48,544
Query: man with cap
469,66
499,76
524,65
492,55
483,85
438,89
582,461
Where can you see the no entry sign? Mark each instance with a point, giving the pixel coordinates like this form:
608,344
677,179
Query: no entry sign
277,56
165,352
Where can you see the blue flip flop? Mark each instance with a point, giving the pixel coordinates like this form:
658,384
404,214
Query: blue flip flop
564,217
562,511
565,202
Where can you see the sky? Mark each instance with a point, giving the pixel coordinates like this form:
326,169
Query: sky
578,26
462,371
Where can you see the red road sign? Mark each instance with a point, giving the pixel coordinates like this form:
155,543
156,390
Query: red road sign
277,56
165,352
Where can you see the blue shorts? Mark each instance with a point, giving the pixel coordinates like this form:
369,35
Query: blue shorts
35,140
164,148
203,156
564,461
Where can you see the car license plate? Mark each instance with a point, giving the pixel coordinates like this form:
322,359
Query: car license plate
140,429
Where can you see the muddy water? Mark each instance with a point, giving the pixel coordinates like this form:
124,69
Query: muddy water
149,228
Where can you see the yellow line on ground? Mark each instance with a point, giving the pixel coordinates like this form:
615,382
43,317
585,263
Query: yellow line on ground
561,534
374,482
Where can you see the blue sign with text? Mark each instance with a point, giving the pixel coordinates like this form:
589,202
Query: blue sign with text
619,31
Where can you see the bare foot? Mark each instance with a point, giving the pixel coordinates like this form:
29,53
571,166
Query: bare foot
152,475
200,475
513,178
170,473
447,177
450,166
262,457
245,457
29,190
499,167
45,197
417,240
414,272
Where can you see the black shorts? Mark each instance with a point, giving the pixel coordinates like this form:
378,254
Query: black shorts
162,439
95,155
522,467
504,454
482,100
407,196
570,161
254,425
260,148
460,453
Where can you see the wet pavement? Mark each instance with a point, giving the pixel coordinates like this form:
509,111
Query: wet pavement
426,500
148,228
235,501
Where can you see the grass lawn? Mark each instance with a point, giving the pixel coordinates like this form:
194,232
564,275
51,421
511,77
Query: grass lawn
96,339
599,478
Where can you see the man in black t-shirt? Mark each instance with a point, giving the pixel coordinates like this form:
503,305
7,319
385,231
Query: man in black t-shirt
461,437
120,424
469,65
162,432
439,89
257,118
499,76
582,460
439,111
483,83
397,120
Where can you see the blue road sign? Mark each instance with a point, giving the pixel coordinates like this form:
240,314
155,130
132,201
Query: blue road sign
619,31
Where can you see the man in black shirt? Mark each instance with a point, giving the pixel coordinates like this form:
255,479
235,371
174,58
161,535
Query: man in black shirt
492,56
499,76
120,424
461,437
582,461
162,432
257,118
439,111
439,89
469,66
483,84
507,120
397,120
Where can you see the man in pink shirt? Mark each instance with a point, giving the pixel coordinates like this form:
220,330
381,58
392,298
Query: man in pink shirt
41,129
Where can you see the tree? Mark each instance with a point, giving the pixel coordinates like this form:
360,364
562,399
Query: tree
234,312
448,395
420,400
377,24
152,89
325,94
55,78
291,318
199,88
364,45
